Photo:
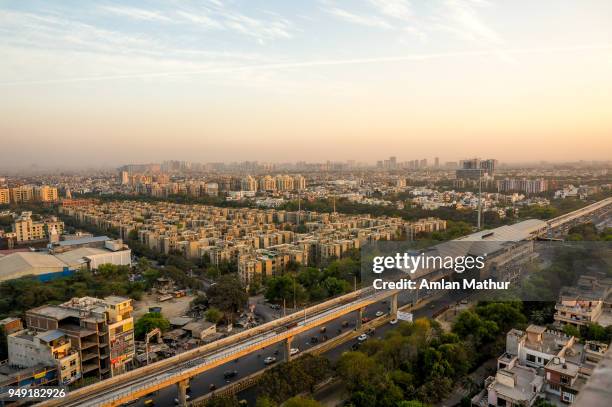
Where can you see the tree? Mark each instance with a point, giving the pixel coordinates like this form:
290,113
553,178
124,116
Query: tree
213,315
228,295
298,401
571,330
148,322
223,401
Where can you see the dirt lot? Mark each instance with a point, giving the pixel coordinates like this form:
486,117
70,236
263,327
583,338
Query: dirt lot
171,308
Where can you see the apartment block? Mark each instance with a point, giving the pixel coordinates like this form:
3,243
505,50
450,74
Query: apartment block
26,229
27,349
102,331
5,196
24,193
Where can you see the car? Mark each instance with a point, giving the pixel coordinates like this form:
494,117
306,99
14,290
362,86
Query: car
379,313
393,321
314,339
212,387
345,324
149,402
365,320
230,373
294,351
362,337
177,402
269,360
355,346
322,329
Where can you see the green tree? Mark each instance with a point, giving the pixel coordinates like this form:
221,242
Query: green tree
228,295
571,330
298,401
148,322
213,315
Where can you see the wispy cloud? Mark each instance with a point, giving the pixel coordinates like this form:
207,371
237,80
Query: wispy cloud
322,63
135,13
465,21
367,20
398,9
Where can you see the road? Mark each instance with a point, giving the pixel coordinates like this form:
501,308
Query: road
200,385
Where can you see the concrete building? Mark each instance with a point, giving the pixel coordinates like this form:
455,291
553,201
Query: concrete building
26,229
45,193
24,193
267,183
102,331
589,301
248,184
28,349
5,196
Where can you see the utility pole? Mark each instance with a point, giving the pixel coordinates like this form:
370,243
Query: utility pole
479,197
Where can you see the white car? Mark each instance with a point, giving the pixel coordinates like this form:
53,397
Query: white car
393,321
176,401
379,313
362,337
269,360
294,351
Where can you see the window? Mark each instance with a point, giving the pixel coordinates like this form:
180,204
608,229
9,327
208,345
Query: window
531,358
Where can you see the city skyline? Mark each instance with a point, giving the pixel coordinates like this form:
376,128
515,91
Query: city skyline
107,84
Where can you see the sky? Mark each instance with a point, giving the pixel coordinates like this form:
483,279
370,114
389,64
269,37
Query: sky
108,82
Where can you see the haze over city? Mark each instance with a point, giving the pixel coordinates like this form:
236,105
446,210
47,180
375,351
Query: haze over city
105,84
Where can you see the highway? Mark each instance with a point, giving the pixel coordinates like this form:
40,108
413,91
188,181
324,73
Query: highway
200,385
143,381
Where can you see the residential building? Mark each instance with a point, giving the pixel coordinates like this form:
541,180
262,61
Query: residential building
102,331
28,349
5,196
45,193
24,193
27,229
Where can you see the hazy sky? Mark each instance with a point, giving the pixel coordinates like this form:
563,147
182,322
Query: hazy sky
108,83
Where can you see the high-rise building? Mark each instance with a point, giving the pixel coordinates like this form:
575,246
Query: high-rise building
125,178
5,196
437,162
267,183
299,182
24,193
248,183
46,193
474,168
284,183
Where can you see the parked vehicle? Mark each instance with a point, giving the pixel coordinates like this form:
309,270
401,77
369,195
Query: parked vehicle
294,351
230,373
362,337
393,321
379,313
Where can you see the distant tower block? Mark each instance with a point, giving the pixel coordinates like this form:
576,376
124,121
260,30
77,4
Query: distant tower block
68,193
